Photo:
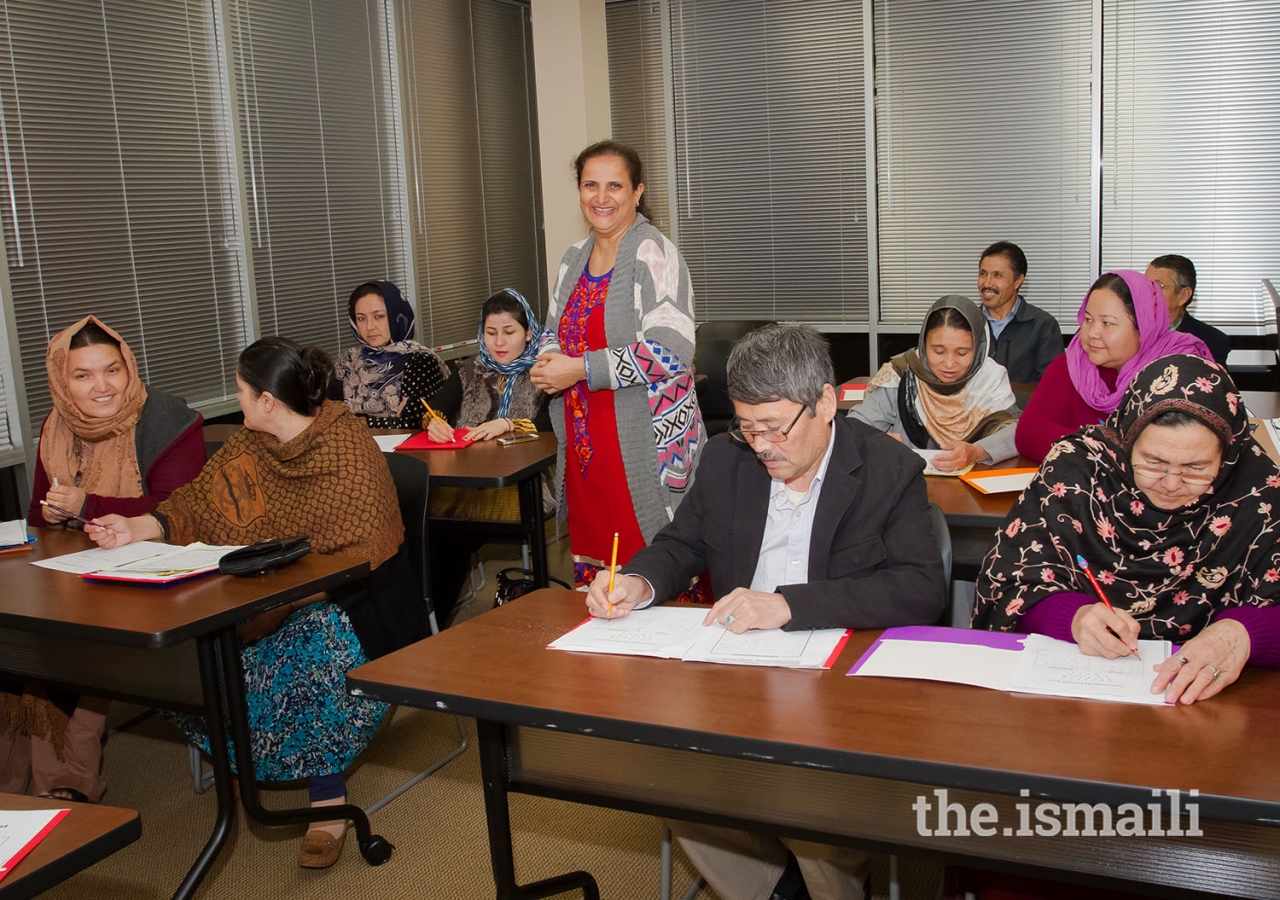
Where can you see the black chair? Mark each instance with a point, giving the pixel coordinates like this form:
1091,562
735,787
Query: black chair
412,479
712,344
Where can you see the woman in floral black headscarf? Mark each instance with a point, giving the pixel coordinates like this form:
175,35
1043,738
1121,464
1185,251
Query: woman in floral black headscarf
389,376
1177,510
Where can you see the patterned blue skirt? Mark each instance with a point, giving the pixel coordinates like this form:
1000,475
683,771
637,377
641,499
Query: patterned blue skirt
302,721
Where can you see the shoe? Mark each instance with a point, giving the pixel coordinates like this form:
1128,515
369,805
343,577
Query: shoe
66,795
791,885
320,849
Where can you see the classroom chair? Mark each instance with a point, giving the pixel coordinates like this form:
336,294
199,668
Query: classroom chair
712,343
412,479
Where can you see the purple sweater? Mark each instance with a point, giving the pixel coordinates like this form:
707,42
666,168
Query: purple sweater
1052,617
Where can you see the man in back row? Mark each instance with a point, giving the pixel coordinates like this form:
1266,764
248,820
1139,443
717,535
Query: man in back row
1176,277
804,520
1024,338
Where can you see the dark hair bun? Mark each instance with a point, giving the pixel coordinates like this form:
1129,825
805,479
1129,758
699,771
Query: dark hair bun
317,370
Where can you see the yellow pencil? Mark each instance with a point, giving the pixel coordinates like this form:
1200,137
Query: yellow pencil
435,415
613,569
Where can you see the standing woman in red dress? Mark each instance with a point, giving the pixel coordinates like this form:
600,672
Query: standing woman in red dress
617,355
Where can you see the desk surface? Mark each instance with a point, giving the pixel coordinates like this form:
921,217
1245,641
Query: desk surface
57,603
487,464
88,834
496,667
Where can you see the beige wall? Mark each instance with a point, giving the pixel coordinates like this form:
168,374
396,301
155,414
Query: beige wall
571,66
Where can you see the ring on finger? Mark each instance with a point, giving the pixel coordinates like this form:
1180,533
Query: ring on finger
1182,659
728,620
1215,672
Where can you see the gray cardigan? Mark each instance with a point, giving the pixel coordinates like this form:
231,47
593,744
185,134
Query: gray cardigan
650,301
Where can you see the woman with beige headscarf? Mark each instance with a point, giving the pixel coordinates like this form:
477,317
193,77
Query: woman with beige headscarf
109,445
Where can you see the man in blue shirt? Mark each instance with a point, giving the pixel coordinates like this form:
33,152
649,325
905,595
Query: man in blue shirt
1024,338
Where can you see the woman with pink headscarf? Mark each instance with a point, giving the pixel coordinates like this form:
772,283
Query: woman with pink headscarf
1124,325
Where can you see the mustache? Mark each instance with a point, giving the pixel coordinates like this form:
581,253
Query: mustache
772,455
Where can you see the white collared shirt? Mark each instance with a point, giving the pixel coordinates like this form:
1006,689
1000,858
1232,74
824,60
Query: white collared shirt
784,549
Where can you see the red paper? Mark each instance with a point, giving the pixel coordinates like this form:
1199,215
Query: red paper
420,441
7,864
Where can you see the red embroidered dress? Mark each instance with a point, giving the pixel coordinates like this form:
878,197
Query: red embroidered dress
595,479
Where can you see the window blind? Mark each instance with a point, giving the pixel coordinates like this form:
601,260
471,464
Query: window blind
467,68
318,128
770,157
113,200
7,457
637,95
983,134
1191,122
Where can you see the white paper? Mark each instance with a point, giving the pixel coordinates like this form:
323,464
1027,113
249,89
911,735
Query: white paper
928,455
13,533
999,484
854,393
1273,429
191,558
765,647
676,632
17,829
92,560
389,442
987,667
1061,669
663,631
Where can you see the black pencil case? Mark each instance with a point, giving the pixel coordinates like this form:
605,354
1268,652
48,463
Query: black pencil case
264,556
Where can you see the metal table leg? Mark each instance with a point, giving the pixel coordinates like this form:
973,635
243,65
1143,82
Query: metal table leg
211,688
530,492
493,772
374,848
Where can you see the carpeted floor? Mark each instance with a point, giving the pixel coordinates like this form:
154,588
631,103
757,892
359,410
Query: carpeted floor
438,827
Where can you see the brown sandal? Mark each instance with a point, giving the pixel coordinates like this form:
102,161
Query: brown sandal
320,849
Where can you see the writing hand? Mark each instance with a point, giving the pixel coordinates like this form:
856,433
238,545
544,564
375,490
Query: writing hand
1223,648
629,591
958,455
743,609
1100,631
441,434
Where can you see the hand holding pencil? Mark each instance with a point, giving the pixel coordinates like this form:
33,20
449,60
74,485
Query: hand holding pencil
1102,630
436,426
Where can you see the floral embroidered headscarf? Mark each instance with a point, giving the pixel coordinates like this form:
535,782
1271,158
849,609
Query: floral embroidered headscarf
1171,570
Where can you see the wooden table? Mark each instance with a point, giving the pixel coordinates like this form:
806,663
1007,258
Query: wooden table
825,757
172,647
89,833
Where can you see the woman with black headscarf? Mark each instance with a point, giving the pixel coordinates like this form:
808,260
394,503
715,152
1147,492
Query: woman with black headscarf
1176,509
387,378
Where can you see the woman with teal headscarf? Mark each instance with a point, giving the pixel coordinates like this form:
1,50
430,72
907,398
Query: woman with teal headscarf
497,396
498,399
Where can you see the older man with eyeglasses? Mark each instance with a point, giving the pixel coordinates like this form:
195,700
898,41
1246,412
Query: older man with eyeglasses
804,520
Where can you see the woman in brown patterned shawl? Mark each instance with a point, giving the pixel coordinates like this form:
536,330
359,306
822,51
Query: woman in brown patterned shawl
302,465
1176,508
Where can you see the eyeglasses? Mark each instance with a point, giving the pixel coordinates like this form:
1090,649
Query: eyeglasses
1155,473
769,434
